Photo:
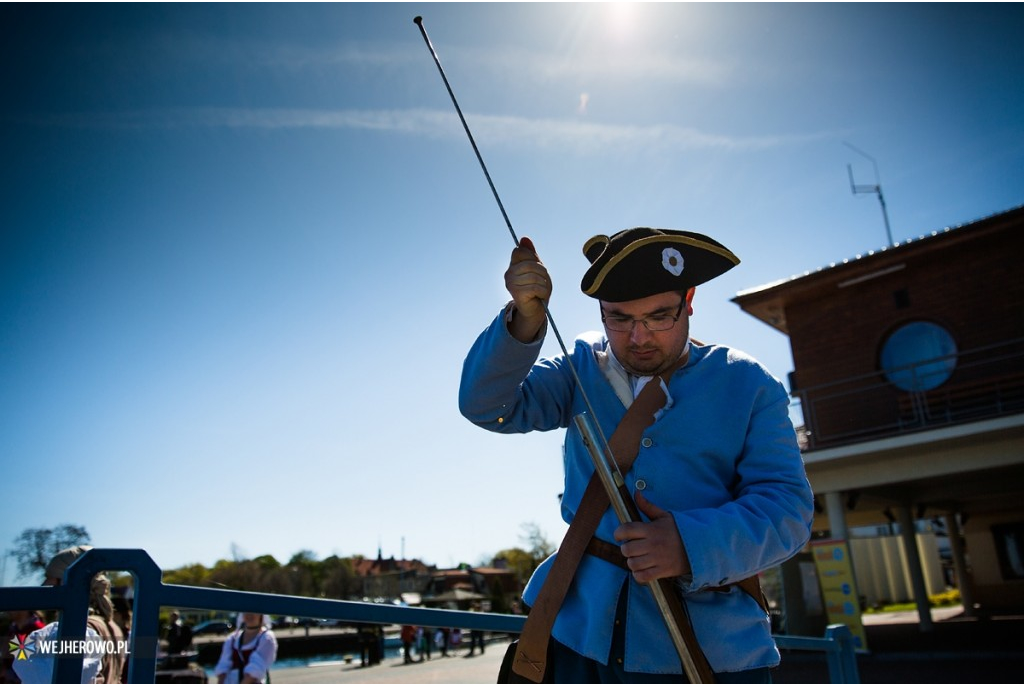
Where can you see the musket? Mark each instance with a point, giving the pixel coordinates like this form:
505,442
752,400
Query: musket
666,595
670,604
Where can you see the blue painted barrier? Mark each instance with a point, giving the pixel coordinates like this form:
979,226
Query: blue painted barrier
151,593
840,654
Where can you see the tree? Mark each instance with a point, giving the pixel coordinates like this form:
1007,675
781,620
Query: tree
34,548
339,579
193,574
519,561
523,562
540,547
304,571
267,562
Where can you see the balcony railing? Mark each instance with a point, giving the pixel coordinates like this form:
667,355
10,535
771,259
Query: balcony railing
986,382
150,593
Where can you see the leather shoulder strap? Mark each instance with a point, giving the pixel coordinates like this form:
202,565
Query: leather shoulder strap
531,654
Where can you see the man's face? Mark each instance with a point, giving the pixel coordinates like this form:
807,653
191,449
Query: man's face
641,351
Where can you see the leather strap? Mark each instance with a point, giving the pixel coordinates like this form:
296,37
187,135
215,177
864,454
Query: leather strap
610,552
607,551
752,586
531,654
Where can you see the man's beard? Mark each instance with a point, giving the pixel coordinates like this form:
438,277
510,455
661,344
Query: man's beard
653,365
644,367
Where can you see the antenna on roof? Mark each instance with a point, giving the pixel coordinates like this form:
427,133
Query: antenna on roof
877,188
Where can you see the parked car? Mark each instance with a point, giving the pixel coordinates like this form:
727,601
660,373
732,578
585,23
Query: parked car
285,622
212,628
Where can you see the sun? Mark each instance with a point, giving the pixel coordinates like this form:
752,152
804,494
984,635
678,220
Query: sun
621,19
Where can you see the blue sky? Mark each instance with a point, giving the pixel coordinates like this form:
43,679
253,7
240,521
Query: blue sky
245,248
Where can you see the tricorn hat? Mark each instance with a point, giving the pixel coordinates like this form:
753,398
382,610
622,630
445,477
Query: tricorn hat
640,262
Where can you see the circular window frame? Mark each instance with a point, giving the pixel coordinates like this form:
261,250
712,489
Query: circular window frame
918,356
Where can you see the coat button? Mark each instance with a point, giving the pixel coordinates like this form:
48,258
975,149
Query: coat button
646,442
641,484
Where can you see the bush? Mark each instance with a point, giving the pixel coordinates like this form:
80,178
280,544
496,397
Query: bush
944,599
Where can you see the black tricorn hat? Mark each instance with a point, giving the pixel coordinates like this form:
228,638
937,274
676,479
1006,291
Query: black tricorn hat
640,262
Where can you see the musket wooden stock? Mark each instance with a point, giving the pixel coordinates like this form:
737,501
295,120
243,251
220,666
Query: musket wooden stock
666,595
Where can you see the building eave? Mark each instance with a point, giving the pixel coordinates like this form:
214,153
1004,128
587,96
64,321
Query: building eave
767,302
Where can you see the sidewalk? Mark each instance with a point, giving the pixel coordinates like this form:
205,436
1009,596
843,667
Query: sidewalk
959,650
453,669
891,617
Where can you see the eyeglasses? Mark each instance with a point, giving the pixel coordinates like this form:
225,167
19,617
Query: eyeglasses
655,322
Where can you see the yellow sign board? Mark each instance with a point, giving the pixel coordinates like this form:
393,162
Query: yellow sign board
839,587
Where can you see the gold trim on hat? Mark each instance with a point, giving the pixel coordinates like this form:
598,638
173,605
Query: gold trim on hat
664,237
593,241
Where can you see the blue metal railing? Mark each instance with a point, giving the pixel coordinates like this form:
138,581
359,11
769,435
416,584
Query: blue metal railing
838,645
151,593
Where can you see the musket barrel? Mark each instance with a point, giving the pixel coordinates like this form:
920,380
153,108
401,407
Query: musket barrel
675,617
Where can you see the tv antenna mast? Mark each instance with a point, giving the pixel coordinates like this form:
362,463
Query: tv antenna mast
877,188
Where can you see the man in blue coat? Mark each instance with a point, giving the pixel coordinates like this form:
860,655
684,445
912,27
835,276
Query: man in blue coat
717,474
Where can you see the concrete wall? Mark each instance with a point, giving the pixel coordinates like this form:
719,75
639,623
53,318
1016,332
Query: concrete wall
992,591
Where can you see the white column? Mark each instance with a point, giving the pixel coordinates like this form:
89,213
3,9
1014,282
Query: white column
836,516
963,577
908,531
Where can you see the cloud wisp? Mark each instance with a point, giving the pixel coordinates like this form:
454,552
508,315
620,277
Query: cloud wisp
571,135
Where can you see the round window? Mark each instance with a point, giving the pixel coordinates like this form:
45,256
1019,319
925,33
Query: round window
919,356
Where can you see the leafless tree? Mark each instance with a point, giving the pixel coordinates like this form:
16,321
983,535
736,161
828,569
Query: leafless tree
34,548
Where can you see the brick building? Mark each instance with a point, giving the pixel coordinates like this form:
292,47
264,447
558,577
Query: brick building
391,578
909,370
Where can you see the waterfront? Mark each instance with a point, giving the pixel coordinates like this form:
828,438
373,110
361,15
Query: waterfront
331,654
